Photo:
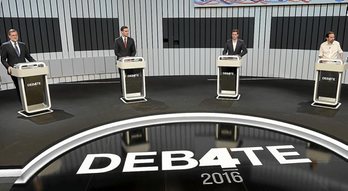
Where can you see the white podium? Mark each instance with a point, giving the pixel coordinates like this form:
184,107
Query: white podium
328,80
133,79
228,77
33,88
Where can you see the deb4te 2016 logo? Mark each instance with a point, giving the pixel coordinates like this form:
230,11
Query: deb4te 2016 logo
184,160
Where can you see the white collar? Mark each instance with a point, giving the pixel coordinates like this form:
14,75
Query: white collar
330,43
13,43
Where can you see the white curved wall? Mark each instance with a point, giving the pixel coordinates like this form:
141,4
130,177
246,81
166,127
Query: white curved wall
145,21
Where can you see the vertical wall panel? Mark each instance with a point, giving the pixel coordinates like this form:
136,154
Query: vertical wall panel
302,67
284,53
92,34
3,35
25,26
148,11
207,51
153,60
164,68
266,39
255,53
5,79
159,47
300,56
99,7
249,39
143,28
290,41
172,30
42,27
261,44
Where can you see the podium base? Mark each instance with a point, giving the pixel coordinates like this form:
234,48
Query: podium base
235,98
140,100
28,115
314,104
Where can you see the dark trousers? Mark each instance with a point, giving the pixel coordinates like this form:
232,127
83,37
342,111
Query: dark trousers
15,81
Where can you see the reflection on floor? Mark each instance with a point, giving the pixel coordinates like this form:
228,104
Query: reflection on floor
151,145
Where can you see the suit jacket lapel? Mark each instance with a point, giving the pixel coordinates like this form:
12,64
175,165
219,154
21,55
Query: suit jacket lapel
237,45
232,46
120,41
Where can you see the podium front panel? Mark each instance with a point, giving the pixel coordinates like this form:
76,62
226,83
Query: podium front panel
134,80
228,78
328,83
35,89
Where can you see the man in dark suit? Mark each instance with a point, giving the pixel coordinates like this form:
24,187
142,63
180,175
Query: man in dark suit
124,46
235,46
14,52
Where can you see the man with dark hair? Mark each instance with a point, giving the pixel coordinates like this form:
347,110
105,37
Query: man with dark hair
14,52
330,49
124,46
235,46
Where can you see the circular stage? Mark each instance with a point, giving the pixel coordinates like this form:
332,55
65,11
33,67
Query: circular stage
181,139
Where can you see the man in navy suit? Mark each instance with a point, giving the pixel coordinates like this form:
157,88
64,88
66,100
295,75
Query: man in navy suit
14,52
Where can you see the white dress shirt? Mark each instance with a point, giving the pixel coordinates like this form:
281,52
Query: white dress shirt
330,50
234,44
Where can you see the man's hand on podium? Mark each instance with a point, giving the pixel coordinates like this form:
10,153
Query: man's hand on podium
9,70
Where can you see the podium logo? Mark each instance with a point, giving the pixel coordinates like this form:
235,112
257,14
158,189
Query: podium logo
133,75
328,78
228,73
33,84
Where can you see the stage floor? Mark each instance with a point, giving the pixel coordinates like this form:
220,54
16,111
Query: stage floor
82,106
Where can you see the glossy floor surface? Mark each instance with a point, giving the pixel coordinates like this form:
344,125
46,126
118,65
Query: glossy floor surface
82,106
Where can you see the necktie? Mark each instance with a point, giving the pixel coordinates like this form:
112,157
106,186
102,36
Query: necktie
125,42
16,47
